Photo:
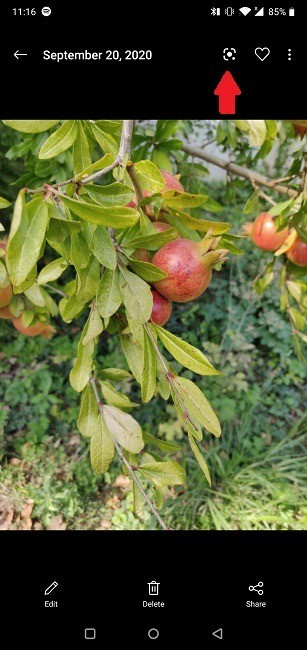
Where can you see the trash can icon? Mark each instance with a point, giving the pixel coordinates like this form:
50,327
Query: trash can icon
153,588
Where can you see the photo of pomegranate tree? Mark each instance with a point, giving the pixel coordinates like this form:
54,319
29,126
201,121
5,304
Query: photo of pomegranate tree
129,242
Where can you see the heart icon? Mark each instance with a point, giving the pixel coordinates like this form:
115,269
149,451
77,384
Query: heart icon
262,52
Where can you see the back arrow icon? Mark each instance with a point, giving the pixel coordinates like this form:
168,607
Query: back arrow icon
17,54
218,633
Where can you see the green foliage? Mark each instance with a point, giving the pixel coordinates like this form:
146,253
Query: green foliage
95,233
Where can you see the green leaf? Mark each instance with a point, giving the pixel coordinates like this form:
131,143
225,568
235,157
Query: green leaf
31,126
161,159
27,283
185,200
114,194
88,412
146,226
35,295
81,150
200,459
109,297
71,308
136,330
229,242
146,271
297,318
280,207
138,498
185,353
115,217
4,203
103,248
164,473
124,428
166,128
137,296
103,162
110,126
3,274
252,204
201,225
165,445
212,205
88,280
149,176
26,238
113,374
184,232
105,140
79,251
196,404
101,448
152,242
17,306
272,128
115,398
82,370
95,326
134,355
243,125
51,305
257,132
59,141
149,375
295,289
27,317
163,384
52,271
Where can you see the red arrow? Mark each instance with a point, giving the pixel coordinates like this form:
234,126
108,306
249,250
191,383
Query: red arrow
227,90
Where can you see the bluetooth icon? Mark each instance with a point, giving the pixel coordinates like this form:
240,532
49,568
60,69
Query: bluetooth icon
215,11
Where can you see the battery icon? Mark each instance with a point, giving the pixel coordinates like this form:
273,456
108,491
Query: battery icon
291,11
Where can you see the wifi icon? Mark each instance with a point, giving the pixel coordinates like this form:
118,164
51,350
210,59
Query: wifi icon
245,10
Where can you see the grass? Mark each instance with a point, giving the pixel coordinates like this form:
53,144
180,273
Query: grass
267,493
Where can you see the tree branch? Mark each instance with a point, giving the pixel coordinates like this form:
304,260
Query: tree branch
233,168
129,467
155,345
123,152
135,182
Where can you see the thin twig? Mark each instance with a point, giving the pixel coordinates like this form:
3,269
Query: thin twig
101,172
233,168
169,375
129,467
304,177
284,179
261,193
123,153
135,182
60,293
155,344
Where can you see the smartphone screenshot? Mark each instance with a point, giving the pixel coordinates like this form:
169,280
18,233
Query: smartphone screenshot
153,311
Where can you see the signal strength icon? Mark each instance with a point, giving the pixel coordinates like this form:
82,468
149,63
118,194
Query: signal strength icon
260,12
245,10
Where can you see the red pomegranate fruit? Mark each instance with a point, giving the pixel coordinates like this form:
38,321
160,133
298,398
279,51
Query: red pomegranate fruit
265,235
161,310
297,254
188,265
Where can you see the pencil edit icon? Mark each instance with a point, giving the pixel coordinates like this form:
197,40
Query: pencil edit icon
51,587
